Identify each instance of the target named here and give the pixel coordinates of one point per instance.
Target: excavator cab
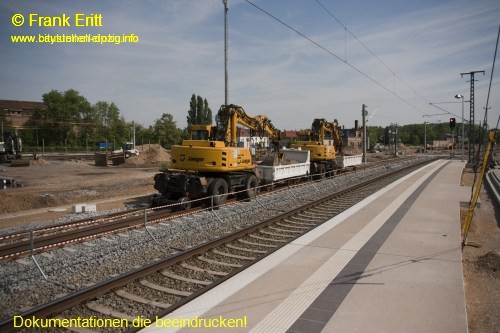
(313, 140)
(323, 156)
(201, 132)
(304, 136)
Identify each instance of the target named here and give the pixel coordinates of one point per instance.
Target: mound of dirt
(151, 155)
(39, 161)
(489, 263)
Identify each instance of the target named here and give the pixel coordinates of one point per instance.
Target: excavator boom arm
(320, 126)
(229, 116)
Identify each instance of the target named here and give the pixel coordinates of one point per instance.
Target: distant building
(244, 139)
(19, 113)
(352, 138)
(451, 140)
(288, 137)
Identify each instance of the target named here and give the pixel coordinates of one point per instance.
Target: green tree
(165, 131)
(113, 127)
(63, 115)
(70, 119)
(143, 135)
(199, 112)
(375, 135)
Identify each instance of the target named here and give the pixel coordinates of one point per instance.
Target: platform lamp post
(364, 113)
(425, 131)
(425, 137)
(463, 131)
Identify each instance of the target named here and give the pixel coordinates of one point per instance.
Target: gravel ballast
(80, 265)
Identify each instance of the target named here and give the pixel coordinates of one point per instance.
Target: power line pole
(363, 115)
(396, 140)
(485, 124)
(225, 51)
(425, 137)
(471, 115)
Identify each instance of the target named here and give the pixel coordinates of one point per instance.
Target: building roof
(288, 134)
(242, 132)
(12, 105)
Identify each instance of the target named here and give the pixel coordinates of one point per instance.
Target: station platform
(391, 263)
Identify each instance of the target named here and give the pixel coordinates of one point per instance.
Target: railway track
(166, 284)
(20, 244)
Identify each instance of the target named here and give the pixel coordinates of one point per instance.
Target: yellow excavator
(323, 156)
(210, 163)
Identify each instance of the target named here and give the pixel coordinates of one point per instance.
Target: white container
(77, 208)
(89, 208)
(294, 163)
(346, 161)
(82, 208)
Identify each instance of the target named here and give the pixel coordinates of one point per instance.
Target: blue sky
(416, 52)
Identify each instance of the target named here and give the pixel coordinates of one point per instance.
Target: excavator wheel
(218, 189)
(321, 171)
(251, 184)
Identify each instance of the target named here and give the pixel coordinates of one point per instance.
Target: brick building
(352, 139)
(18, 113)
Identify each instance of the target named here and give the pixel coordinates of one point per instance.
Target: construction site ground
(47, 189)
(50, 188)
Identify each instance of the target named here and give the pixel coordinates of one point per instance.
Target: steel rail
(20, 244)
(66, 302)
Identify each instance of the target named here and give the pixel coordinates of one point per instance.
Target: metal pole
(363, 115)
(396, 140)
(425, 137)
(472, 139)
(452, 143)
(472, 206)
(33, 256)
(463, 131)
(225, 52)
(133, 142)
(146, 226)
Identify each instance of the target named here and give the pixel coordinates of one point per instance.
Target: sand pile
(150, 155)
(39, 161)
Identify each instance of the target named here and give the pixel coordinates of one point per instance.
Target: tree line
(70, 120)
(416, 134)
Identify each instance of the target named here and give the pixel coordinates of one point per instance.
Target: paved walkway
(391, 263)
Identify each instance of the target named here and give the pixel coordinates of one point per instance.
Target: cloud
(272, 70)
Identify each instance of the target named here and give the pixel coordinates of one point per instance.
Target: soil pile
(489, 263)
(151, 155)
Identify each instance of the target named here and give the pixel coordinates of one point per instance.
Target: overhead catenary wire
(491, 78)
(371, 52)
(352, 34)
(440, 108)
(485, 120)
(337, 57)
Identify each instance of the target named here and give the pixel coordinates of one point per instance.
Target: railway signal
(452, 123)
